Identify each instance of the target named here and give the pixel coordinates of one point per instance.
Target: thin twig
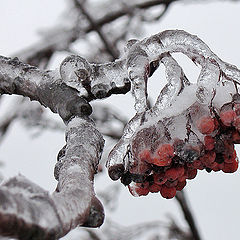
(111, 50)
(181, 198)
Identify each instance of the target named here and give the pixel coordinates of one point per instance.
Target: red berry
(165, 154)
(173, 173)
(154, 188)
(191, 173)
(236, 137)
(231, 157)
(218, 167)
(145, 155)
(208, 158)
(159, 178)
(206, 125)
(182, 178)
(168, 192)
(161, 162)
(139, 189)
(230, 167)
(197, 164)
(209, 143)
(171, 183)
(227, 117)
(181, 185)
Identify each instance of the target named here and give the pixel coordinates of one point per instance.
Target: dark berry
(230, 167)
(191, 173)
(153, 188)
(181, 185)
(209, 143)
(168, 192)
(159, 178)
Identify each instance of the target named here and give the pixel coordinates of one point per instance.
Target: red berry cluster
(172, 163)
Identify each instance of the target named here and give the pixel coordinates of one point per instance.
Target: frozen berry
(168, 192)
(171, 183)
(219, 158)
(126, 178)
(191, 173)
(173, 173)
(181, 185)
(153, 188)
(206, 125)
(139, 189)
(208, 158)
(159, 178)
(197, 164)
(145, 155)
(231, 157)
(217, 167)
(209, 143)
(236, 137)
(165, 154)
(227, 117)
(182, 178)
(230, 167)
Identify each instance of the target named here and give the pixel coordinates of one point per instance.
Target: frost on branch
(191, 127)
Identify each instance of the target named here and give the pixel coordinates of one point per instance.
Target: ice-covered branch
(46, 87)
(29, 212)
(176, 131)
(169, 130)
(142, 53)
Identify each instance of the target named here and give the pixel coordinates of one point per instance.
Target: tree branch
(181, 198)
(110, 49)
(29, 212)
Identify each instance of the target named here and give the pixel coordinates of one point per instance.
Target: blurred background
(43, 33)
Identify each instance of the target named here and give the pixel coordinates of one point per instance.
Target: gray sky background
(214, 197)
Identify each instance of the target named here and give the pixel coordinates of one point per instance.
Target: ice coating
(138, 70)
(191, 127)
(186, 119)
(207, 82)
(17, 77)
(176, 81)
(118, 159)
(156, 46)
(74, 71)
(109, 78)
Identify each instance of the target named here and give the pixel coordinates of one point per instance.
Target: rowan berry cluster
(167, 167)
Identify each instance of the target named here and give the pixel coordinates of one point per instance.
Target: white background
(214, 197)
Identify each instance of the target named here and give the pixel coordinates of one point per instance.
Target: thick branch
(29, 212)
(46, 87)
